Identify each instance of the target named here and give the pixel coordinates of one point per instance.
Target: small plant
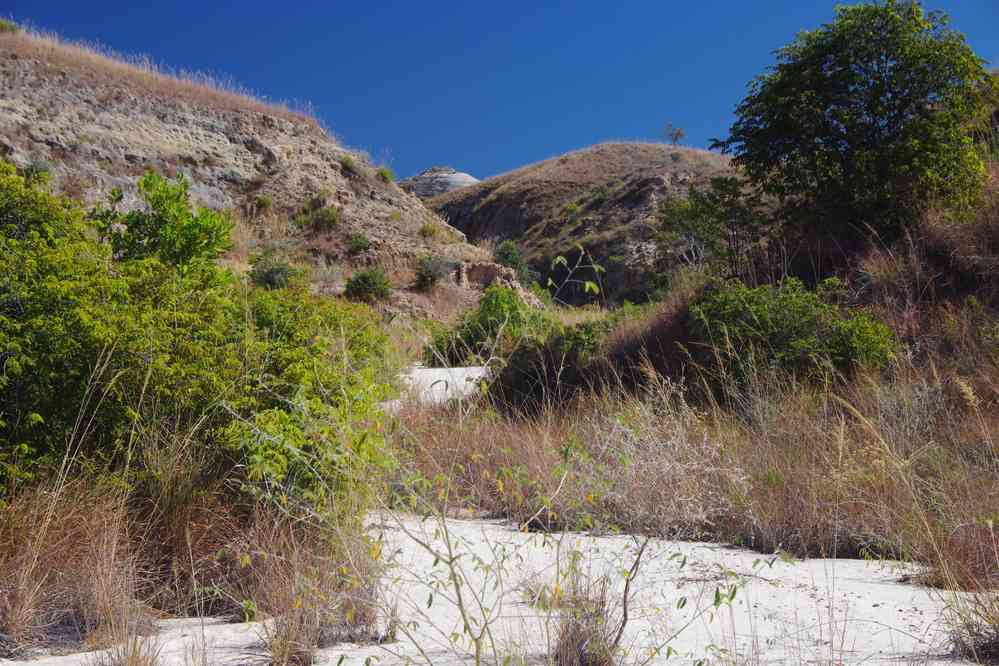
(319, 220)
(385, 175)
(508, 254)
(357, 243)
(263, 203)
(430, 270)
(8, 27)
(348, 166)
(271, 271)
(368, 286)
(429, 230)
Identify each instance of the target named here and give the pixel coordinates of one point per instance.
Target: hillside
(97, 122)
(603, 197)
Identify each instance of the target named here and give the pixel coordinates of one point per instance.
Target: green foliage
(318, 219)
(385, 175)
(357, 243)
(8, 27)
(508, 254)
(272, 271)
(97, 335)
(867, 121)
(785, 327)
(430, 270)
(719, 225)
(368, 286)
(349, 166)
(429, 230)
(167, 228)
(493, 330)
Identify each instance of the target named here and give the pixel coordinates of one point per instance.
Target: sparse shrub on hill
(508, 254)
(349, 166)
(813, 132)
(385, 175)
(272, 271)
(8, 26)
(430, 270)
(318, 219)
(368, 286)
(357, 243)
(785, 327)
(428, 230)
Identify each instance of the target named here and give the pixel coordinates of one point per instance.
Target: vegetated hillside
(603, 198)
(98, 122)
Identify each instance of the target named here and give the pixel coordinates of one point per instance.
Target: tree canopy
(867, 121)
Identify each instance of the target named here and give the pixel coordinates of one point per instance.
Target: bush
(143, 327)
(494, 329)
(385, 175)
(348, 166)
(167, 228)
(319, 220)
(431, 270)
(508, 254)
(785, 327)
(8, 27)
(429, 230)
(357, 243)
(368, 286)
(271, 271)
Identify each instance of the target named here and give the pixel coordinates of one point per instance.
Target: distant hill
(97, 122)
(436, 181)
(604, 198)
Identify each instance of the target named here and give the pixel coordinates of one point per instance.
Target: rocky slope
(437, 180)
(97, 123)
(604, 198)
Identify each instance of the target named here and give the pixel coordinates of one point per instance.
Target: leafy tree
(720, 224)
(168, 228)
(867, 120)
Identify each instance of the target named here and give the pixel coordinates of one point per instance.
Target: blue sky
(484, 87)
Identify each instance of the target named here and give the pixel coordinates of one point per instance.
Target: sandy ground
(782, 611)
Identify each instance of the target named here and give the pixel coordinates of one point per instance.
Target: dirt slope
(603, 197)
(97, 122)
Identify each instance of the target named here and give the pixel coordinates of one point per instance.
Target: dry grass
(68, 569)
(140, 73)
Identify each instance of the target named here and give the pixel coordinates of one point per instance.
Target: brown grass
(140, 73)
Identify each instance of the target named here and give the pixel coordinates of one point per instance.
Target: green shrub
(271, 271)
(368, 286)
(429, 230)
(493, 330)
(8, 26)
(349, 166)
(508, 254)
(318, 220)
(357, 243)
(431, 270)
(166, 228)
(385, 175)
(785, 327)
(141, 327)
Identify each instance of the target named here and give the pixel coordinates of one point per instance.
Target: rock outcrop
(436, 181)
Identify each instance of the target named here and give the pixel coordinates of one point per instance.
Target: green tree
(867, 120)
(720, 224)
(508, 254)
